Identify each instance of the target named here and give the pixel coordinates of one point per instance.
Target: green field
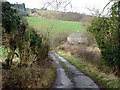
(56, 26)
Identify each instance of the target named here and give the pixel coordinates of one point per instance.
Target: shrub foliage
(20, 39)
(107, 33)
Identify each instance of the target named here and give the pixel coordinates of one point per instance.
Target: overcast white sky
(78, 5)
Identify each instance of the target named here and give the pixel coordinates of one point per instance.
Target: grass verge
(67, 70)
(65, 67)
(108, 80)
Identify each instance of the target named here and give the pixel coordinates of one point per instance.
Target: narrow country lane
(62, 81)
(75, 79)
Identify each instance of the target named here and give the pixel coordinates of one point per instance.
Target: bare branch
(93, 11)
(105, 7)
(58, 4)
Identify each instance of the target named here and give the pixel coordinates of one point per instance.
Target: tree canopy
(10, 19)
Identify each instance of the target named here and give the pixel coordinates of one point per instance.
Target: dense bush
(38, 44)
(21, 40)
(107, 34)
(26, 52)
(11, 25)
(10, 19)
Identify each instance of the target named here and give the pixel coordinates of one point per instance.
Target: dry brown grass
(37, 76)
(90, 53)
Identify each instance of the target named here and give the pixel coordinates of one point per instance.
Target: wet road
(75, 79)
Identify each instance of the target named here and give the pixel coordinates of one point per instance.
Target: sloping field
(56, 26)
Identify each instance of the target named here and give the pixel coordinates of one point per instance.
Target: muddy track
(70, 77)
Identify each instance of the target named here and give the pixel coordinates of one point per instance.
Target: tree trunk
(11, 54)
(9, 60)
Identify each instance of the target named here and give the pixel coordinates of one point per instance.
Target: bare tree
(57, 4)
(96, 12)
(93, 11)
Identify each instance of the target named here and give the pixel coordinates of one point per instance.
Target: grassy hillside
(56, 26)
